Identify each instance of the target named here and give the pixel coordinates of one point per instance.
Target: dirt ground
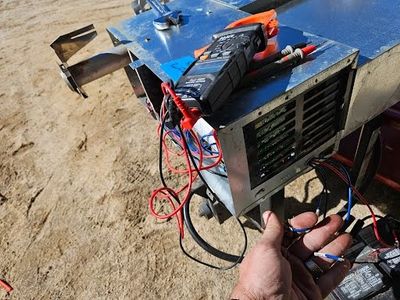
(75, 176)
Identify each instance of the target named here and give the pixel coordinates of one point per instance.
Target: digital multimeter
(210, 80)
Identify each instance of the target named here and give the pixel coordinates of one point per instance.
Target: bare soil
(75, 176)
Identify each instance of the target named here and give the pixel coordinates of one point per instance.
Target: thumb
(273, 232)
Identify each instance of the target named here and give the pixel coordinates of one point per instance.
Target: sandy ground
(75, 175)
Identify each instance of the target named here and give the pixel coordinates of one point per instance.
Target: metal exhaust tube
(92, 68)
(100, 65)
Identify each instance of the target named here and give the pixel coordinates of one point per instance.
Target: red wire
(179, 215)
(183, 171)
(219, 158)
(6, 286)
(169, 150)
(361, 197)
(167, 193)
(173, 193)
(174, 170)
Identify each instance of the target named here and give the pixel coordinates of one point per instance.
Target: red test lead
(276, 56)
(8, 288)
(275, 67)
(190, 115)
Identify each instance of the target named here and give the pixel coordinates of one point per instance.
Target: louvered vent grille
(321, 113)
(277, 139)
(271, 141)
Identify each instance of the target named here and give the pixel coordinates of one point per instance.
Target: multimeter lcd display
(209, 67)
(210, 80)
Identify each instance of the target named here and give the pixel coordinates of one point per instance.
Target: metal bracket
(70, 81)
(68, 44)
(65, 46)
(89, 69)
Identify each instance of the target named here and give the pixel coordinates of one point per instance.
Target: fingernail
(266, 216)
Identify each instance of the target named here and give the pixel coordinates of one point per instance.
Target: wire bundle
(190, 145)
(320, 170)
(340, 171)
(196, 151)
(335, 170)
(199, 154)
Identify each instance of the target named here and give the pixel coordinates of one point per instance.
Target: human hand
(271, 271)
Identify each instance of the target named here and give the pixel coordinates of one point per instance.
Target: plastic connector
(190, 119)
(189, 115)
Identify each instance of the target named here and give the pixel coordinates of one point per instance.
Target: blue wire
(174, 135)
(349, 193)
(207, 135)
(349, 203)
(331, 256)
(190, 143)
(299, 230)
(174, 131)
(349, 190)
(189, 139)
(206, 146)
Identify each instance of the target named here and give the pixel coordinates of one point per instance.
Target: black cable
(218, 174)
(205, 263)
(194, 258)
(211, 171)
(205, 245)
(342, 169)
(322, 176)
(160, 153)
(199, 240)
(195, 165)
(160, 160)
(369, 217)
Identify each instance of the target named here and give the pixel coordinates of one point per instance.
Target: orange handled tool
(270, 24)
(267, 18)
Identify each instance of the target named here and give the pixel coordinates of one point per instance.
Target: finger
(273, 232)
(317, 238)
(304, 220)
(337, 247)
(333, 277)
(301, 221)
(302, 278)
